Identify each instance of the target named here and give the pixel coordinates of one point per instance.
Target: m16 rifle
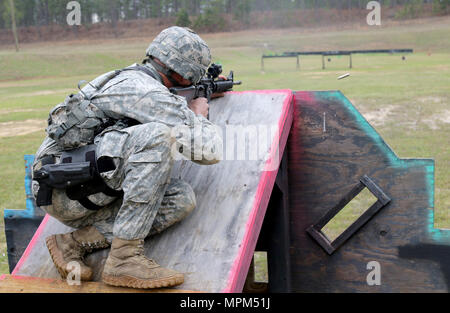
(209, 85)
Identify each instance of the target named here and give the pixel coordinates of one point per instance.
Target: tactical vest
(76, 121)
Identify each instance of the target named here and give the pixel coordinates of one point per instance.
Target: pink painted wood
(215, 244)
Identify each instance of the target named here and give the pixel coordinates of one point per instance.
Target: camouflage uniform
(143, 156)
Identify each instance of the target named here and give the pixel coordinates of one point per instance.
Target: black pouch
(79, 174)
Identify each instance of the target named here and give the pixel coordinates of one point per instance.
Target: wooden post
(13, 24)
(351, 63)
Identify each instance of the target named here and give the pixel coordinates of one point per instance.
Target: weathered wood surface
(331, 146)
(214, 245)
(23, 284)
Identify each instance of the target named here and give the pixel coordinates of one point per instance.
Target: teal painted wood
(331, 147)
(31, 209)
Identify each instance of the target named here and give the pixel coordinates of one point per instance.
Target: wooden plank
(23, 284)
(274, 235)
(325, 163)
(214, 245)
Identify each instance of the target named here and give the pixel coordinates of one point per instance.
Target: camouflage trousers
(152, 201)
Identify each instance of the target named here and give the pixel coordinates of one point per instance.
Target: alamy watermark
(374, 276)
(234, 143)
(73, 273)
(74, 16)
(374, 16)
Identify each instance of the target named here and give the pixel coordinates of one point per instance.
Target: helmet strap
(162, 69)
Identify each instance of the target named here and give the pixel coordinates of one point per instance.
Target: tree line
(47, 12)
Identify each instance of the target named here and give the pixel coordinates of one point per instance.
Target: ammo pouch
(78, 173)
(75, 122)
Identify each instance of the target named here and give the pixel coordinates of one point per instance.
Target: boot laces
(91, 246)
(140, 251)
(80, 249)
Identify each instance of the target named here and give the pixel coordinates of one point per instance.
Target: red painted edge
(32, 278)
(240, 266)
(31, 245)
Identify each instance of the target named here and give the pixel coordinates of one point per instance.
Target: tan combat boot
(65, 248)
(127, 266)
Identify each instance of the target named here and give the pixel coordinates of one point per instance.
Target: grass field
(408, 102)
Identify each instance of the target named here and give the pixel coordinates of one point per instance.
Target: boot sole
(133, 282)
(58, 259)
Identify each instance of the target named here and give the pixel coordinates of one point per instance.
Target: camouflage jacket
(138, 96)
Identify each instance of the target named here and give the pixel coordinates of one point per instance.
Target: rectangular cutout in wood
(349, 215)
(261, 271)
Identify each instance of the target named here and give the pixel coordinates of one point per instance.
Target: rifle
(208, 86)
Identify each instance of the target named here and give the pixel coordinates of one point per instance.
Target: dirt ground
(19, 128)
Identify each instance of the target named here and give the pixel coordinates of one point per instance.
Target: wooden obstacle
(245, 206)
(330, 148)
(214, 245)
(20, 225)
(23, 284)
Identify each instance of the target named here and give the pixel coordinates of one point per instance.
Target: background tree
(183, 18)
(241, 11)
(46, 12)
(13, 23)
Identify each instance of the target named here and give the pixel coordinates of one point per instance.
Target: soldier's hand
(200, 106)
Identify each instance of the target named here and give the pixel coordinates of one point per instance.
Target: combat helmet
(182, 51)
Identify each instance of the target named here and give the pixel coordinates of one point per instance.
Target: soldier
(136, 115)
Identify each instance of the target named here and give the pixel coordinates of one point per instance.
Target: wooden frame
(331, 246)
